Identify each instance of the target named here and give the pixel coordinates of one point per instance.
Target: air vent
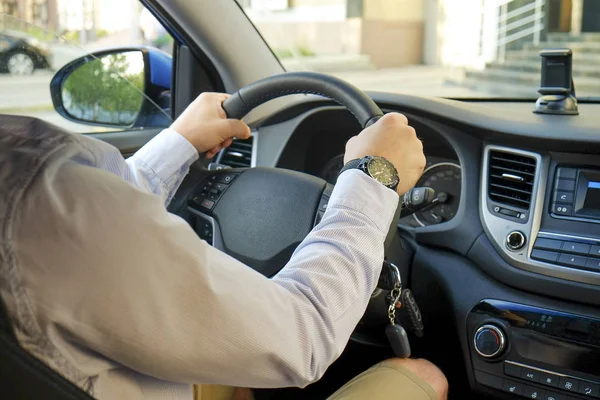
(511, 178)
(239, 154)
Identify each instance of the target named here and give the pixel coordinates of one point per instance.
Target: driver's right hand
(392, 138)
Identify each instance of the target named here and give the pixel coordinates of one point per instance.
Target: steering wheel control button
(530, 374)
(544, 255)
(548, 244)
(565, 185)
(572, 261)
(226, 177)
(515, 240)
(489, 341)
(567, 173)
(570, 384)
(549, 379)
(204, 229)
(208, 204)
(531, 392)
(512, 387)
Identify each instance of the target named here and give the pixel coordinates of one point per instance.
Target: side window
(105, 91)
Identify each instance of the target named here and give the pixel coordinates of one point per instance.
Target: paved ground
(31, 95)
(419, 80)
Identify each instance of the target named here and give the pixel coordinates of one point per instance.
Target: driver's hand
(205, 125)
(392, 138)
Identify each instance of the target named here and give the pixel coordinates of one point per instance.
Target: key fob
(389, 276)
(409, 305)
(398, 340)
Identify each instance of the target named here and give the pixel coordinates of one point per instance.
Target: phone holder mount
(557, 88)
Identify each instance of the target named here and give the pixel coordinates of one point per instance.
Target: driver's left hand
(206, 126)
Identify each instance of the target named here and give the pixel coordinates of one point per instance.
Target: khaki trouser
(385, 381)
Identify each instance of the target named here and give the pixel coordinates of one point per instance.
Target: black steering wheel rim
(353, 99)
(262, 214)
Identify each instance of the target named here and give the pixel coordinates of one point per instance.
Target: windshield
(447, 48)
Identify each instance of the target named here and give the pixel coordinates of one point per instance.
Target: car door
(37, 42)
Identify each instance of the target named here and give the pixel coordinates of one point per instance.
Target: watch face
(383, 171)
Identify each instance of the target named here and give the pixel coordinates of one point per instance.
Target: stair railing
(523, 23)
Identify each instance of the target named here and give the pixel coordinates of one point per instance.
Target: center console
(542, 214)
(533, 352)
(542, 211)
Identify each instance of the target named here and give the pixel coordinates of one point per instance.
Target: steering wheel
(262, 214)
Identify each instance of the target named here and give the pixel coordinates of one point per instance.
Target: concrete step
(574, 46)
(567, 37)
(580, 70)
(525, 82)
(533, 55)
(329, 63)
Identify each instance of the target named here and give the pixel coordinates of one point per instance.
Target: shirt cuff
(167, 155)
(359, 192)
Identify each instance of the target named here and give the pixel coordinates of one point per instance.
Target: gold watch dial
(383, 171)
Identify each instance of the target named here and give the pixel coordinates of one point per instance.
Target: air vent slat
(510, 188)
(512, 170)
(511, 178)
(526, 163)
(239, 154)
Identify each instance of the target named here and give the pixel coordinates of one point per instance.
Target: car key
(411, 308)
(390, 275)
(394, 332)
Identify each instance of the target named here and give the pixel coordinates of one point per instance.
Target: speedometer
(445, 179)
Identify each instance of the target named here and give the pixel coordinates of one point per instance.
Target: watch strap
(352, 164)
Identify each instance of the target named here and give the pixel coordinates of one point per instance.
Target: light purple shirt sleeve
(135, 285)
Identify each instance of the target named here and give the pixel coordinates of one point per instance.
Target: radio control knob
(489, 341)
(515, 240)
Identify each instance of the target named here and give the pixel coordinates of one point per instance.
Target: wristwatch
(377, 168)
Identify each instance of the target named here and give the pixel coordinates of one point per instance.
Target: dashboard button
(530, 374)
(589, 389)
(549, 379)
(531, 392)
(563, 197)
(571, 260)
(595, 251)
(593, 263)
(512, 387)
(510, 213)
(562, 209)
(564, 185)
(544, 255)
(570, 384)
(576, 248)
(488, 379)
(547, 244)
(554, 396)
(512, 370)
(567, 173)
(226, 178)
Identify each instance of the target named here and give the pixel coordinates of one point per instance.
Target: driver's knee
(408, 379)
(426, 371)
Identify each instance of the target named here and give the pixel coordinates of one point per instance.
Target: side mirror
(117, 88)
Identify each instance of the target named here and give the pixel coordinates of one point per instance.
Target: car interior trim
(497, 228)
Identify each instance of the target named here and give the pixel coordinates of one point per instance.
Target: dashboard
(507, 270)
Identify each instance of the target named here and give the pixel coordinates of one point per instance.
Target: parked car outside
(22, 54)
